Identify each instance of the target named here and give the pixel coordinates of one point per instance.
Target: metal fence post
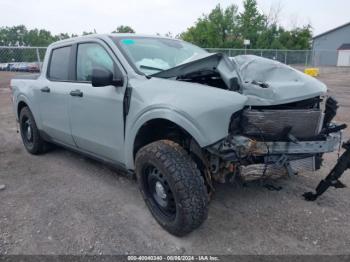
(285, 56)
(38, 57)
(306, 58)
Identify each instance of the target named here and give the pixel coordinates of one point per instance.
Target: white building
(344, 55)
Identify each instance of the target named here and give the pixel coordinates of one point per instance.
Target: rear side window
(59, 64)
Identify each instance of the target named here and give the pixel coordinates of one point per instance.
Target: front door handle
(76, 93)
(45, 89)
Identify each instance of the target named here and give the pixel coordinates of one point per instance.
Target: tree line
(221, 28)
(227, 28)
(21, 36)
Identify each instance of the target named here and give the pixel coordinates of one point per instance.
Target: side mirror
(104, 77)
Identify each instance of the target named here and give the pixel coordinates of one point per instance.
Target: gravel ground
(63, 203)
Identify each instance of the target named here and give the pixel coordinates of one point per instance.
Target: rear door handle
(45, 89)
(76, 93)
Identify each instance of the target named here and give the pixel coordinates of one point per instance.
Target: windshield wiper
(151, 68)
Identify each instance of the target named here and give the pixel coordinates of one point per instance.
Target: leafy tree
(11, 36)
(169, 35)
(269, 38)
(297, 38)
(62, 36)
(251, 22)
(87, 33)
(226, 28)
(218, 29)
(124, 29)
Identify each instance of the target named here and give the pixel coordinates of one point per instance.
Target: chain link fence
(21, 59)
(299, 58)
(29, 59)
(289, 57)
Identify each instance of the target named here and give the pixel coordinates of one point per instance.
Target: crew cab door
(53, 96)
(96, 113)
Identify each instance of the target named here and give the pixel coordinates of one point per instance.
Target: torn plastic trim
(237, 147)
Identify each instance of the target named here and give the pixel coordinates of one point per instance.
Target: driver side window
(90, 56)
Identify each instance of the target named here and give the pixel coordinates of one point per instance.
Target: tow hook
(332, 179)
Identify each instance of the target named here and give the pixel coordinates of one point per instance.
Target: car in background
(15, 67)
(23, 67)
(34, 67)
(9, 66)
(3, 66)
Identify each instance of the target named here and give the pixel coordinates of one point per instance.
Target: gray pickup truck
(176, 116)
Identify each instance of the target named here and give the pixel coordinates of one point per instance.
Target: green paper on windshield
(128, 41)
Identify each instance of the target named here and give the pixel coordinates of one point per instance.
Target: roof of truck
(74, 39)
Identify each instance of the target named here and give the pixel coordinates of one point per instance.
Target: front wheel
(172, 187)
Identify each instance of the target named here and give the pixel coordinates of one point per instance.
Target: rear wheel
(30, 133)
(172, 186)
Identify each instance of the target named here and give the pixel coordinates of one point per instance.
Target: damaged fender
(204, 112)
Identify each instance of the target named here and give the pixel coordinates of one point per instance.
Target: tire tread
(187, 180)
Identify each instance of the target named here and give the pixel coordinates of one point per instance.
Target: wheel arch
(158, 117)
(21, 104)
(158, 129)
(23, 101)
(163, 129)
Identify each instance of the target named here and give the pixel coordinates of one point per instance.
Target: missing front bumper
(255, 159)
(276, 140)
(238, 147)
(272, 170)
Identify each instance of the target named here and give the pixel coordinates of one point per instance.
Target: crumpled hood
(263, 81)
(275, 83)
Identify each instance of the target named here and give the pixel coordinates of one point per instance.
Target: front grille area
(272, 124)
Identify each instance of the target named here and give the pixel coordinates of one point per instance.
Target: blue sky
(157, 16)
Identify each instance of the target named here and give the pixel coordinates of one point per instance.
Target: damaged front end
(272, 141)
(286, 124)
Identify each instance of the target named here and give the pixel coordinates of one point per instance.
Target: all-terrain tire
(33, 143)
(181, 179)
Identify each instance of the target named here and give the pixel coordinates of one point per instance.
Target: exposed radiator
(304, 123)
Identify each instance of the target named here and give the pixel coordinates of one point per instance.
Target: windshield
(152, 55)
